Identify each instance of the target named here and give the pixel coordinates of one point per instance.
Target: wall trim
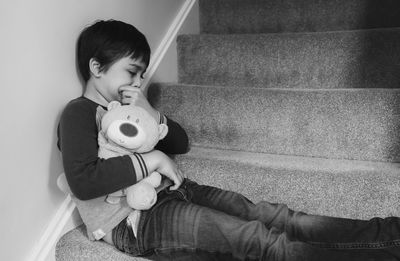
(167, 40)
(65, 212)
(54, 230)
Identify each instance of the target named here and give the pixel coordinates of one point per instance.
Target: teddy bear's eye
(128, 129)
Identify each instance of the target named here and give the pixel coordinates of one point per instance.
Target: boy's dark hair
(107, 42)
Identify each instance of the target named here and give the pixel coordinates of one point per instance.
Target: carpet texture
(346, 59)
(75, 246)
(271, 16)
(353, 189)
(360, 124)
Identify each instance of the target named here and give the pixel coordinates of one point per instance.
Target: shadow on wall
(55, 166)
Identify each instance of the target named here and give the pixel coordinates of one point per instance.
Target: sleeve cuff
(140, 166)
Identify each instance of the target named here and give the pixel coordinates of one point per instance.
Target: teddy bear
(124, 130)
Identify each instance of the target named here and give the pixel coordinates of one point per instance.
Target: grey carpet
(360, 124)
(271, 16)
(326, 60)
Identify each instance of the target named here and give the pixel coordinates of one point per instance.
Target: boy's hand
(160, 162)
(169, 169)
(135, 96)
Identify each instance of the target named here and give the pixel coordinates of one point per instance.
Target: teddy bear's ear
(162, 131)
(112, 105)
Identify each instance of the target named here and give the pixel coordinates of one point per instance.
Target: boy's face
(124, 72)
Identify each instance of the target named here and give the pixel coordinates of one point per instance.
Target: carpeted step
(75, 246)
(354, 189)
(351, 59)
(358, 124)
(262, 16)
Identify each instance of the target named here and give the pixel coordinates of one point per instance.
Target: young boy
(188, 220)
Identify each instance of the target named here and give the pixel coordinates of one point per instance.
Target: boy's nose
(137, 82)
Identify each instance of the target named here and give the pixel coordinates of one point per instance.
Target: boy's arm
(160, 162)
(88, 175)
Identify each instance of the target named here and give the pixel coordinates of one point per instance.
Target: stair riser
(357, 59)
(355, 195)
(342, 124)
(260, 16)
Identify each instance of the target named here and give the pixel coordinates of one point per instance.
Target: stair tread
(75, 245)
(353, 189)
(322, 165)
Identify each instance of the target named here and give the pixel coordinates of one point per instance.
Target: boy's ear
(94, 67)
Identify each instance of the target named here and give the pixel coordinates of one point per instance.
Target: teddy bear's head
(131, 127)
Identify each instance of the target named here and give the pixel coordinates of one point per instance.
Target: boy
(112, 71)
(188, 219)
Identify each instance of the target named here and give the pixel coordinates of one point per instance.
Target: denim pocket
(180, 193)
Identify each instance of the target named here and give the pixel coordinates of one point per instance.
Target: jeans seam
(353, 245)
(188, 249)
(140, 236)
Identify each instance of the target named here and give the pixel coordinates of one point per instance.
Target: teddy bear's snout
(128, 129)
(127, 134)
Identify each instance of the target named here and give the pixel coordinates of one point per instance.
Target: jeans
(200, 222)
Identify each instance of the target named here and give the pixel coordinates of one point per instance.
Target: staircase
(289, 101)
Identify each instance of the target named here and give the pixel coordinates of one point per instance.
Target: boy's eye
(132, 73)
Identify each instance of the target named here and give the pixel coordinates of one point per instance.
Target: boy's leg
(319, 230)
(178, 226)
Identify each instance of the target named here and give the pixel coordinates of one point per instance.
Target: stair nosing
(205, 86)
(293, 162)
(298, 33)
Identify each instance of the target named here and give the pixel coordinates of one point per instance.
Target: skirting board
(55, 229)
(63, 220)
(169, 37)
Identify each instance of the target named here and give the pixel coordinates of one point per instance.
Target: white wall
(167, 69)
(38, 77)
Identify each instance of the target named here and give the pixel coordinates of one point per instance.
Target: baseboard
(169, 37)
(64, 218)
(54, 231)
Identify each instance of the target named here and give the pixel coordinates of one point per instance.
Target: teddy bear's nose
(128, 129)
